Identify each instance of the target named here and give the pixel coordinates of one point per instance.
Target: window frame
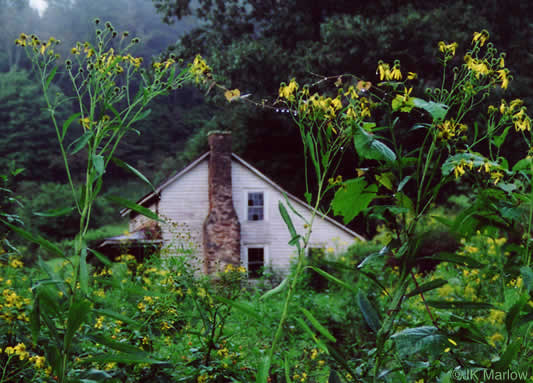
(265, 204)
(245, 261)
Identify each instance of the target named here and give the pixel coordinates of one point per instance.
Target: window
(256, 206)
(256, 261)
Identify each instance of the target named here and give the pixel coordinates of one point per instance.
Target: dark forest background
(251, 45)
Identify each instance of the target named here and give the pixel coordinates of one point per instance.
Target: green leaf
(241, 306)
(459, 305)
(133, 206)
(316, 324)
(310, 332)
(99, 164)
(399, 103)
(77, 315)
(34, 238)
(67, 123)
(523, 164)
(527, 276)
(427, 287)
(142, 116)
(438, 111)
(499, 140)
(508, 356)
(385, 179)
(369, 147)
(54, 212)
(124, 358)
(287, 369)
(84, 273)
(131, 169)
(414, 340)
(80, 142)
(50, 78)
(511, 318)
(35, 319)
(308, 197)
(101, 257)
(262, 371)
(457, 259)
(352, 198)
(334, 377)
(119, 346)
(115, 315)
(288, 221)
(334, 279)
(368, 311)
(276, 290)
(92, 375)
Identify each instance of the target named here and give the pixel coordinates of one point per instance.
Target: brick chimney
(222, 230)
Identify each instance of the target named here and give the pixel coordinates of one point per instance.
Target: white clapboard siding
(184, 204)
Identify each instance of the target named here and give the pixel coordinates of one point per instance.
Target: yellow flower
(479, 67)
(411, 76)
(502, 76)
(75, 51)
(38, 361)
(287, 91)
(448, 49)
(199, 68)
(481, 36)
(496, 176)
(496, 316)
(396, 74)
(458, 170)
(232, 94)
(522, 121)
(86, 122)
(383, 71)
(15, 263)
(496, 337)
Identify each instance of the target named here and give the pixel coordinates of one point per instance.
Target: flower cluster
(450, 129)
(39, 46)
(386, 73)
(199, 69)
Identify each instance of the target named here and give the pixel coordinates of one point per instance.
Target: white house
(222, 210)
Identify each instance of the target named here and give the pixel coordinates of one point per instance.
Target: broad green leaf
(368, 311)
(92, 375)
(131, 169)
(385, 179)
(508, 356)
(276, 290)
(527, 276)
(413, 340)
(133, 206)
(67, 123)
(241, 306)
(80, 142)
(262, 370)
(404, 202)
(523, 164)
(427, 287)
(459, 305)
(399, 103)
(77, 315)
(513, 314)
(50, 78)
(54, 212)
(99, 164)
(438, 111)
(316, 324)
(499, 140)
(35, 238)
(334, 279)
(352, 198)
(369, 147)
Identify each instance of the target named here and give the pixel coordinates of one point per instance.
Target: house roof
(153, 195)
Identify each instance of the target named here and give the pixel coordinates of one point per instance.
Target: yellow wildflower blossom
(287, 91)
(448, 49)
(502, 76)
(496, 337)
(481, 37)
